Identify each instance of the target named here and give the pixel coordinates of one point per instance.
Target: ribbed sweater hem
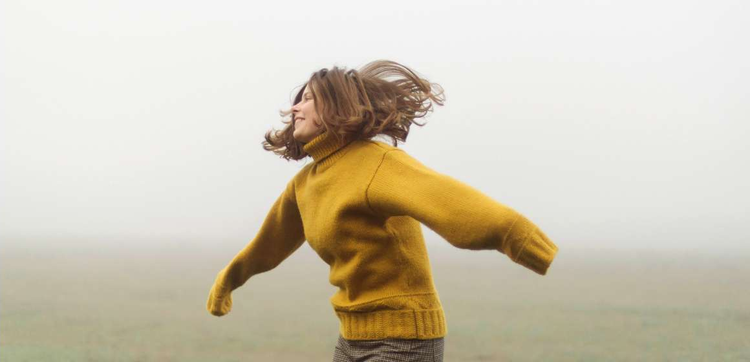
(404, 324)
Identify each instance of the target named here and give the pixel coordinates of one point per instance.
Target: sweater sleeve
(279, 236)
(461, 214)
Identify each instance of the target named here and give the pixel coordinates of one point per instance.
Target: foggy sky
(608, 124)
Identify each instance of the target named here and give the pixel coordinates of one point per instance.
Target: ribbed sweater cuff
(537, 254)
(529, 246)
(405, 324)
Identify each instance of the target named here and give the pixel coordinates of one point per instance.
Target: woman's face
(306, 123)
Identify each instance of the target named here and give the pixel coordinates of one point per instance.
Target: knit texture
(360, 206)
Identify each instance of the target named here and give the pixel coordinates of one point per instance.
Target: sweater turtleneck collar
(323, 148)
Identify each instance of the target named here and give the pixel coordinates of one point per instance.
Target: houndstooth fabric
(391, 349)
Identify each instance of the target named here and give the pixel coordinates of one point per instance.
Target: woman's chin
(300, 138)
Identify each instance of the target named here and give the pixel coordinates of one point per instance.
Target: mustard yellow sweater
(360, 206)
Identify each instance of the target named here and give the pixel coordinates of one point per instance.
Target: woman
(359, 205)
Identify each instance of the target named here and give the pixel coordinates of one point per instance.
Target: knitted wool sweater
(359, 206)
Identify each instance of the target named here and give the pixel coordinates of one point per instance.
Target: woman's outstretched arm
(279, 236)
(463, 215)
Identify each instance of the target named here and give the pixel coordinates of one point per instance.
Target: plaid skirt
(390, 349)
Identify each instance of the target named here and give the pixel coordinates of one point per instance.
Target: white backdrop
(609, 124)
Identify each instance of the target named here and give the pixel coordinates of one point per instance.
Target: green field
(110, 301)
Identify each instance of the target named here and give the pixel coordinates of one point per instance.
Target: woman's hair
(360, 104)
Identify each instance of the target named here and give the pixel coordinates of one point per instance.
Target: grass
(120, 303)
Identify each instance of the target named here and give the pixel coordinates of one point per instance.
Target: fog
(615, 125)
